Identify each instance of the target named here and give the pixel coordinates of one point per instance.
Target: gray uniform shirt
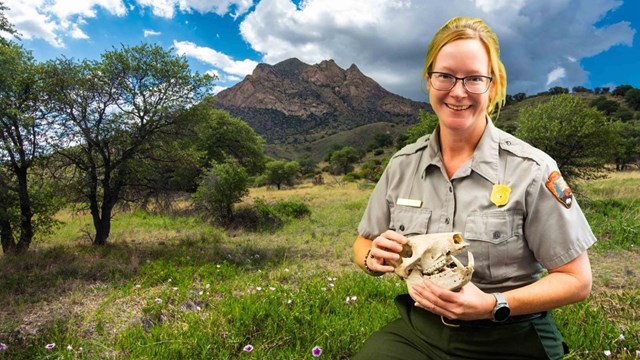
(511, 243)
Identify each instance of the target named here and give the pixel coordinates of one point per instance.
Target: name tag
(409, 202)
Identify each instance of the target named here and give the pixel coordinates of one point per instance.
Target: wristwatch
(502, 311)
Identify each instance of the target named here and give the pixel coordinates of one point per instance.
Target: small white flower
(69, 347)
(258, 288)
(137, 286)
(607, 353)
(331, 285)
(218, 266)
(175, 289)
(323, 289)
(158, 301)
(621, 337)
(272, 288)
(200, 293)
(289, 302)
(169, 280)
(286, 270)
(207, 286)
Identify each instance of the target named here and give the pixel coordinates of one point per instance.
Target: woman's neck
(457, 147)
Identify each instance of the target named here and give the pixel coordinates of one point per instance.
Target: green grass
(282, 290)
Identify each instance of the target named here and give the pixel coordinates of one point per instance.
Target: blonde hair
(472, 28)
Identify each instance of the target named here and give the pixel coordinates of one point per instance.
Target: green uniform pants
(419, 334)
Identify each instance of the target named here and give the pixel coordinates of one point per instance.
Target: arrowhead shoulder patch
(559, 189)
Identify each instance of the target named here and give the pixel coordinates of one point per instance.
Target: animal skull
(431, 256)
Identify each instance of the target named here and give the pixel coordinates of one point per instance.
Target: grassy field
(174, 287)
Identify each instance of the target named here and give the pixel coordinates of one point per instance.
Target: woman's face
(458, 109)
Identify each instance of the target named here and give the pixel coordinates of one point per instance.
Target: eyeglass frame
(464, 81)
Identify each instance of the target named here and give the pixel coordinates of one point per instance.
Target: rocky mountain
(293, 102)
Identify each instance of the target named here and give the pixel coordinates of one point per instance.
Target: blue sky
(545, 43)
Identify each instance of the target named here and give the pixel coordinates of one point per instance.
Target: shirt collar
(484, 160)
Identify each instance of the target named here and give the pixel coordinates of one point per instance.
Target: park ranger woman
(506, 198)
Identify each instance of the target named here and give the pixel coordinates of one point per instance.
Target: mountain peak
(292, 97)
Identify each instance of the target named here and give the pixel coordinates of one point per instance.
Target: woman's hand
(470, 303)
(385, 248)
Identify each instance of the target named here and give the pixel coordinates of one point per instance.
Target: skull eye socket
(457, 238)
(406, 252)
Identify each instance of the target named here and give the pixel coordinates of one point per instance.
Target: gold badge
(500, 194)
(559, 189)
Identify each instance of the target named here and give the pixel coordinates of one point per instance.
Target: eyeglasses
(475, 84)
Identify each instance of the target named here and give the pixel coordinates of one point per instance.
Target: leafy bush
(291, 209)
(222, 186)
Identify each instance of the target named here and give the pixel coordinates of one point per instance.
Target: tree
(182, 151)
(107, 114)
(621, 90)
(308, 166)
(280, 172)
(627, 145)
(632, 97)
(5, 25)
(580, 89)
(342, 160)
(428, 123)
(578, 137)
(22, 134)
(557, 90)
(223, 185)
(605, 105)
(220, 136)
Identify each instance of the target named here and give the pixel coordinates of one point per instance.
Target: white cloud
(87, 8)
(388, 39)
(148, 33)
(167, 8)
(52, 20)
(216, 89)
(555, 75)
(77, 33)
(215, 58)
(30, 23)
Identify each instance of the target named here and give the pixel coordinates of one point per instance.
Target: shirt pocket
(497, 243)
(410, 221)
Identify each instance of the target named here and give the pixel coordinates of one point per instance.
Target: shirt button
(496, 235)
(401, 228)
(508, 142)
(446, 221)
(450, 189)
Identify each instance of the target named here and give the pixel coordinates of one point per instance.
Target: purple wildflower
(316, 351)
(248, 348)
(50, 346)
(3, 347)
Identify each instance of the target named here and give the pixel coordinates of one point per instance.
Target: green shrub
(291, 209)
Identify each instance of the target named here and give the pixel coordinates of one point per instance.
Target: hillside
(359, 138)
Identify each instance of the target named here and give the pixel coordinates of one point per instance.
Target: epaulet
(522, 149)
(413, 148)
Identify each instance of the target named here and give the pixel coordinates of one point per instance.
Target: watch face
(502, 313)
